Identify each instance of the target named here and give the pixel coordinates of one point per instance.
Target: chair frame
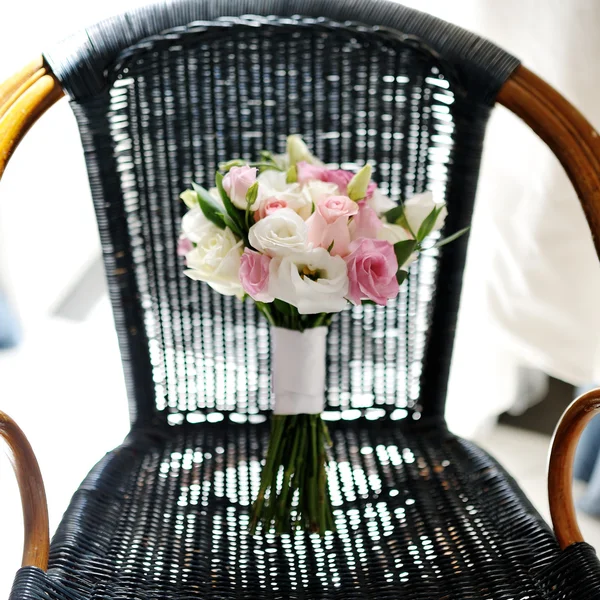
(26, 96)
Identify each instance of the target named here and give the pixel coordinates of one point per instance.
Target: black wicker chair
(161, 95)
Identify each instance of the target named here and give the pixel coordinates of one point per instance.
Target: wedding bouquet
(303, 241)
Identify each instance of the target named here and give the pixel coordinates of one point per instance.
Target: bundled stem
(293, 489)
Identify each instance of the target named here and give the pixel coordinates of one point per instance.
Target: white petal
(279, 234)
(380, 203)
(393, 233)
(326, 294)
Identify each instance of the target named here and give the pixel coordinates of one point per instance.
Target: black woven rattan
(420, 513)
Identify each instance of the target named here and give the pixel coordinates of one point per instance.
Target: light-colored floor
(64, 386)
(524, 455)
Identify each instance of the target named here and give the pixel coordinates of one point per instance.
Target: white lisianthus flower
(214, 192)
(393, 233)
(272, 184)
(236, 184)
(312, 281)
(216, 259)
(380, 203)
(279, 234)
(282, 161)
(419, 207)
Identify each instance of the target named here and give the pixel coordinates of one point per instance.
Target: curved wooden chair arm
(560, 468)
(33, 495)
(577, 145)
(13, 87)
(24, 98)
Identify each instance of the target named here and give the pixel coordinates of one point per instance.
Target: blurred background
(525, 340)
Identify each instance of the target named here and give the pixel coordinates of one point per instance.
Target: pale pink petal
(366, 224)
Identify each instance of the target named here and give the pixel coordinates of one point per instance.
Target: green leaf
(209, 206)
(283, 307)
(266, 311)
(396, 217)
(451, 238)
(391, 216)
(232, 225)
(331, 246)
(428, 223)
(403, 250)
(401, 276)
(266, 156)
(236, 215)
(320, 320)
(262, 167)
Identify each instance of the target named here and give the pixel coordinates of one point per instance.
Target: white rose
(312, 281)
(315, 190)
(216, 259)
(193, 223)
(419, 207)
(272, 184)
(271, 181)
(279, 234)
(380, 203)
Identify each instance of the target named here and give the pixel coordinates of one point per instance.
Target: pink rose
(184, 246)
(268, 207)
(372, 268)
(366, 223)
(254, 275)
(237, 182)
(306, 172)
(339, 177)
(329, 223)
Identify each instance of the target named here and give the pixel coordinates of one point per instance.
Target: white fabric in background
(532, 285)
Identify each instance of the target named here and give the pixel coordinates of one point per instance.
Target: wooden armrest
(33, 495)
(16, 85)
(24, 98)
(560, 469)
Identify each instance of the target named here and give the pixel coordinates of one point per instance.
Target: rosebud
(252, 194)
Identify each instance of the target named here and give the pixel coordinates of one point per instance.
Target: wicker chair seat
(420, 514)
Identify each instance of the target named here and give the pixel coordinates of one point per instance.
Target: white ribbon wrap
(298, 370)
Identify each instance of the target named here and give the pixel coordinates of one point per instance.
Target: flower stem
(293, 491)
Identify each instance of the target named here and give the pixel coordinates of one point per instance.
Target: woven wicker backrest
(157, 112)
